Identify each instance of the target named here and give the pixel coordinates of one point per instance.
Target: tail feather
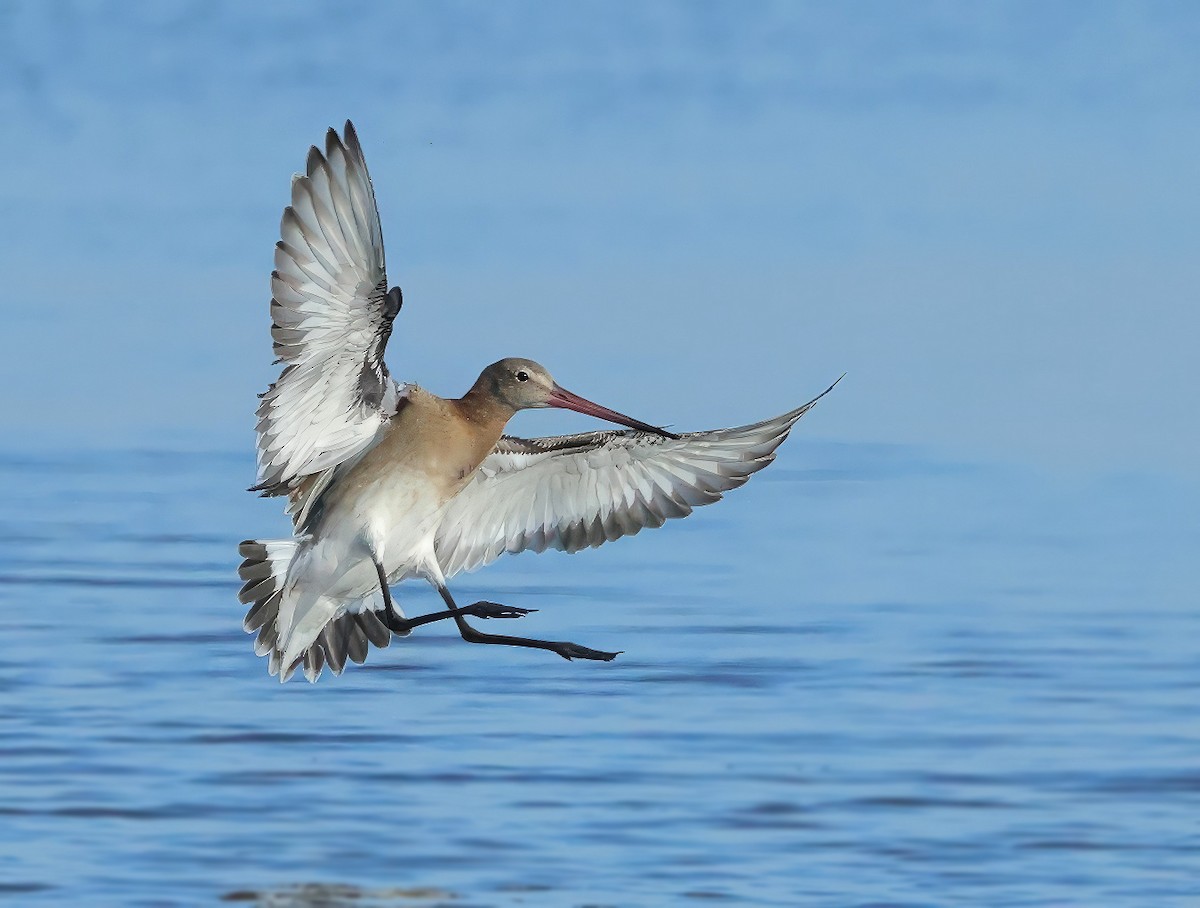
(376, 631)
(264, 570)
(350, 635)
(259, 613)
(314, 660)
(333, 641)
(268, 637)
(356, 643)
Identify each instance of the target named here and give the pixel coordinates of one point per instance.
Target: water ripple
(871, 712)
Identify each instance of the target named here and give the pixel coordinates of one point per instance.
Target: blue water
(872, 676)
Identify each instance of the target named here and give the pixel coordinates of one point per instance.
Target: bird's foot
(485, 609)
(567, 650)
(571, 651)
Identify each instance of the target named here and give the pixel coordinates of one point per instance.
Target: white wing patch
(578, 491)
(331, 317)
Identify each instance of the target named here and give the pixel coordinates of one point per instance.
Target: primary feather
(331, 314)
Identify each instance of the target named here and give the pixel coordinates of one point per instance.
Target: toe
(575, 651)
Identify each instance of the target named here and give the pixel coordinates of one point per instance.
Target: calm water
(869, 677)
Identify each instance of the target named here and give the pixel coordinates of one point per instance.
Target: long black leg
(476, 610)
(399, 625)
(389, 610)
(564, 649)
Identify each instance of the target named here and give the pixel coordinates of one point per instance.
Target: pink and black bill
(561, 397)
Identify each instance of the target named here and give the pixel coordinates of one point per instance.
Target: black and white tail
(264, 571)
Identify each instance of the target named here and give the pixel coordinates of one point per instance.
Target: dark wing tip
(826, 391)
(315, 160)
(352, 143)
(795, 415)
(392, 303)
(333, 141)
(289, 216)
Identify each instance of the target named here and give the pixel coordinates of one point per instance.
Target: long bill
(561, 397)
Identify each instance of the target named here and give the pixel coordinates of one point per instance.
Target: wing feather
(331, 314)
(578, 491)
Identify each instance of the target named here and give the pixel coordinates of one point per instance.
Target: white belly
(395, 520)
(405, 544)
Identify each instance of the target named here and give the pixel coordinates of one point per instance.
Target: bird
(386, 481)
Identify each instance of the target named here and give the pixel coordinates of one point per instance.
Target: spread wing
(331, 315)
(578, 491)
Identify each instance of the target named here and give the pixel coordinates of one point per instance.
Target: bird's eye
(522, 375)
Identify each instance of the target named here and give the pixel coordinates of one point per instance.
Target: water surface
(869, 677)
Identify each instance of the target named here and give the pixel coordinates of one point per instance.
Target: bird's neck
(484, 413)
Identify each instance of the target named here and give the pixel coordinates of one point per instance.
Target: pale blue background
(985, 213)
(944, 652)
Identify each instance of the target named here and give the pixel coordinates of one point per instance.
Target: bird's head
(523, 384)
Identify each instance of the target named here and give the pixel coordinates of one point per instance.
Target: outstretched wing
(331, 315)
(578, 491)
